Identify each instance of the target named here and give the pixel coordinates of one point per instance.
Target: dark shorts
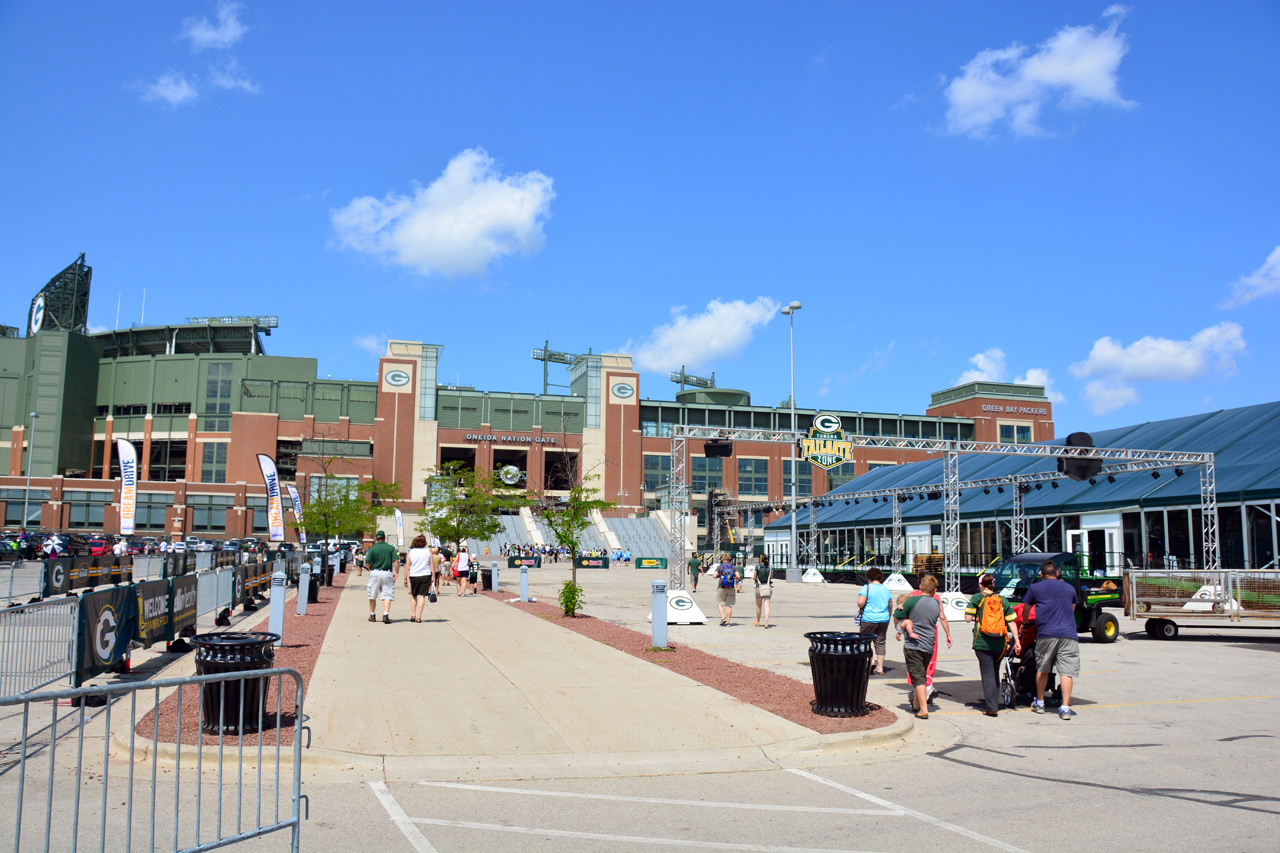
(419, 585)
(881, 630)
(917, 664)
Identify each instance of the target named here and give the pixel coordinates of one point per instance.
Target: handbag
(766, 590)
(431, 594)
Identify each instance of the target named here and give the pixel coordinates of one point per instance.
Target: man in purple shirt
(1057, 640)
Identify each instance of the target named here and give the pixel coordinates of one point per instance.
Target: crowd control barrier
(124, 799)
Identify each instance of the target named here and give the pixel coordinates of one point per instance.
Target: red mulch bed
(303, 636)
(778, 694)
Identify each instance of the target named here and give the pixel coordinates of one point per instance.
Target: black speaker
(1074, 467)
(717, 449)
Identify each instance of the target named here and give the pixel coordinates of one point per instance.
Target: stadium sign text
(826, 445)
(514, 439)
(1015, 410)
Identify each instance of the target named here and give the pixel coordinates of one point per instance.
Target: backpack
(991, 621)
(728, 577)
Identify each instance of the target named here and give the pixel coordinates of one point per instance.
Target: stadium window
(804, 478)
(213, 467)
(839, 475)
(657, 471)
(753, 476)
(707, 474)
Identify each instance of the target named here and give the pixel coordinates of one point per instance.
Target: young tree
(339, 506)
(464, 503)
(568, 518)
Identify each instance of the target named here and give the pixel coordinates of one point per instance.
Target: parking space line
(626, 839)
(400, 819)
(666, 802)
(941, 824)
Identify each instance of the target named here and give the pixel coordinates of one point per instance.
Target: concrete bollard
(524, 582)
(275, 617)
(304, 587)
(659, 617)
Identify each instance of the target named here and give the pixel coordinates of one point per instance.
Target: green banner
(182, 605)
(651, 563)
(57, 577)
(108, 620)
(591, 563)
(517, 562)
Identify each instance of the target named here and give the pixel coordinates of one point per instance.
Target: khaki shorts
(1058, 654)
(382, 584)
(726, 595)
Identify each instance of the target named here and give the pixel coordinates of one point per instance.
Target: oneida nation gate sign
(826, 445)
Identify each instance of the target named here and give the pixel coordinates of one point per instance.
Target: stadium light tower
(790, 313)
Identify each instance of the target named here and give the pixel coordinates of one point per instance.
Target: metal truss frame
(1115, 460)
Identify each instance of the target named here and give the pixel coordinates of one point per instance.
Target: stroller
(1018, 670)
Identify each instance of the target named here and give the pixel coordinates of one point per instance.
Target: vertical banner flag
(399, 530)
(128, 484)
(297, 511)
(275, 511)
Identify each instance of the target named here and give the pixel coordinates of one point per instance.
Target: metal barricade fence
(21, 579)
(37, 644)
(215, 589)
(158, 794)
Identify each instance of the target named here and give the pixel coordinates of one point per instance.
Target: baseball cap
(381, 537)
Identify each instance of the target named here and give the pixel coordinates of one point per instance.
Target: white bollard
(659, 618)
(304, 587)
(524, 582)
(275, 618)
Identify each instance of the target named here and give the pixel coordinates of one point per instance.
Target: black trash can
(840, 663)
(313, 588)
(220, 701)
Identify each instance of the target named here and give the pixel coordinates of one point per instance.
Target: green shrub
(570, 598)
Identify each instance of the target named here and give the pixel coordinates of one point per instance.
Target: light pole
(790, 312)
(31, 456)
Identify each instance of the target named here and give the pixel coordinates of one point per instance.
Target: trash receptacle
(840, 663)
(486, 580)
(220, 701)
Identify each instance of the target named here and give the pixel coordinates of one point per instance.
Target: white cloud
(1076, 66)
(1107, 395)
(722, 331)
(172, 87)
(465, 220)
(230, 75)
(1163, 360)
(1040, 376)
(375, 345)
(204, 35)
(97, 329)
(1211, 350)
(988, 367)
(876, 360)
(1264, 281)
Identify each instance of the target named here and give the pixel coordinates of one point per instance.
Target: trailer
(1240, 598)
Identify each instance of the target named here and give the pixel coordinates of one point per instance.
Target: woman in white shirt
(461, 569)
(419, 578)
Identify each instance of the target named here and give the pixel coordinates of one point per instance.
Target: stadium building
(200, 399)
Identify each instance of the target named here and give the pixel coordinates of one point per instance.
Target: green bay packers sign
(826, 445)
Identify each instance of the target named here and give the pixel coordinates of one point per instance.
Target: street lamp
(31, 456)
(790, 313)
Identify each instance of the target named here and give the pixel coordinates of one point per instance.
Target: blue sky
(1015, 191)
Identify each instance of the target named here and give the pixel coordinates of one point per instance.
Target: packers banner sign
(108, 621)
(826, 446)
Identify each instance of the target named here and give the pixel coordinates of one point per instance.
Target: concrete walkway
(481, 690)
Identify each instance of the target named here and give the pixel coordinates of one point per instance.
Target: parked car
(205, 545)
(99, 546)
(287, 547)
(231, 545)
(70, 544)
(178, 547)
(250, 543)
(135, 546)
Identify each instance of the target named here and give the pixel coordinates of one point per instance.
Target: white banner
(128, 485)
(399, 530)
(297, 512)
(275, 511)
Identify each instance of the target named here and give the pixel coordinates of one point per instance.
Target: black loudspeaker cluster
(717, 449)
(1075, 467)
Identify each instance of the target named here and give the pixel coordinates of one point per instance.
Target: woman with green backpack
(993, 617)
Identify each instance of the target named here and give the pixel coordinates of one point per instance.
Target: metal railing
(1234, 594)
(37, 644)
(90, 806)
(21, 580)
(215, 590)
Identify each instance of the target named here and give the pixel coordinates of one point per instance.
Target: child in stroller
(1018, 671)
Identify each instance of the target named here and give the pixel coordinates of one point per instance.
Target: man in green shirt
(383, 564)
(990, 637)
(695, 567)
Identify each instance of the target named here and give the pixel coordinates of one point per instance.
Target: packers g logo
(680, 602)
(104, 634)
(397, 378)
(59, 575)
(826, 423)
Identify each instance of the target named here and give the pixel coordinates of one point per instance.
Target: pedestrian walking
(436, 562)
(1057, 640)
(726, 589)
(418, 578)
(919, 618)
(473, 575)
(384, 570)
(461, 569)
(873, 605)
(764, 590)
(695, 568)
(993, 617)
